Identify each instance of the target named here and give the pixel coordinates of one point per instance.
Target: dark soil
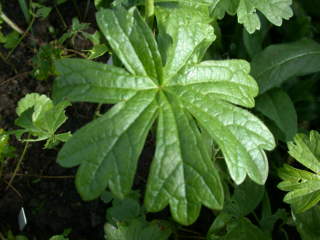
(42, 187)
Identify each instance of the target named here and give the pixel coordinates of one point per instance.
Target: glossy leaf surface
(167, 83)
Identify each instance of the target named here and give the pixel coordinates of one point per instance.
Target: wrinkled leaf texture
(165, 81)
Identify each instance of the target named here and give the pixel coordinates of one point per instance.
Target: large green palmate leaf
(303, 186)
(167, 83)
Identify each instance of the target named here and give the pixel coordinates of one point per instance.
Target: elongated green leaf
(202, 6)
(83, 80)
(132, 40)
(253, 42)
(181, 174)
(243, 229)
(226, 80)
(308, 223)
(108, 148)
(245, 199)
(240, 135)
(278, 63)
(277, 106)
(303, 187)
(184, 36)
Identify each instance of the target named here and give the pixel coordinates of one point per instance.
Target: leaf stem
(21, 38)
(149, 12)
(6, 61)
(19, 163)
(60, 17)
(10, 23)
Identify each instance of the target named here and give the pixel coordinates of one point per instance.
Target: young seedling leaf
(40, 118)
(303, 186)
(167, 83)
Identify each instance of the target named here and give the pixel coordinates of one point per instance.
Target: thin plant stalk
(25, 10)
(18, 164)
(11, 23)
(60, 17)
(149, 12)
(75, 4)
(22, 37)
(6, 61)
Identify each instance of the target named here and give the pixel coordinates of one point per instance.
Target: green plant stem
(1, 168)
(76, 52)
(10, 23)
(8, 63)
(2, 237)
(86, 10)
(19, 163)
(97, 111)
(25, 10)
(60, 17)
(149, 12)
(75, 4)
(21, 38)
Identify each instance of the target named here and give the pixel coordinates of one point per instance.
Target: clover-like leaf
(303, 186)
(40, 118)
(164, 81)
(246, 10)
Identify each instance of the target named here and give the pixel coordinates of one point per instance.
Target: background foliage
(200, 87)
